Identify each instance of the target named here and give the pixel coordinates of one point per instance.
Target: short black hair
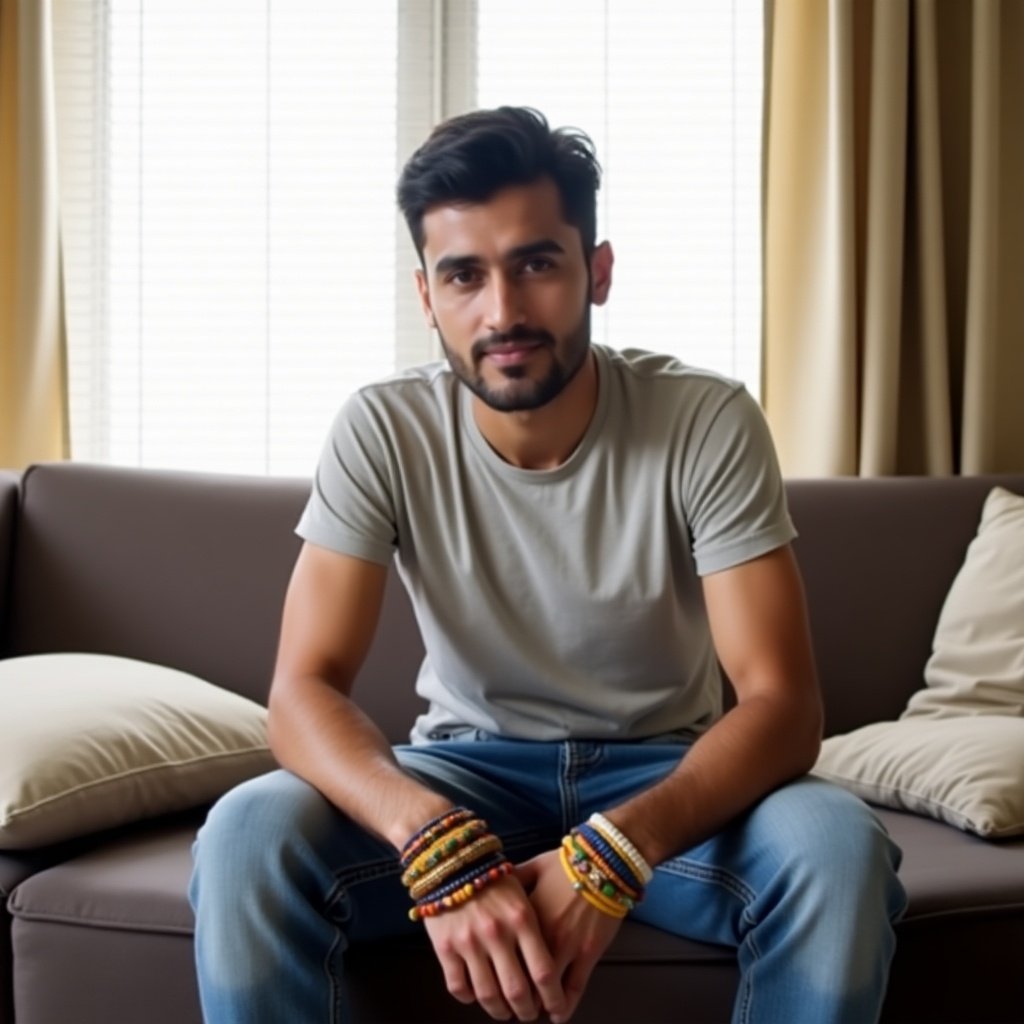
(471, 157)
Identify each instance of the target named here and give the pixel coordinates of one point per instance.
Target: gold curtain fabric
(894, 236)
(33, 394)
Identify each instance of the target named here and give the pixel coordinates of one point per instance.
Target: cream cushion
(957, 751)
(92, 741)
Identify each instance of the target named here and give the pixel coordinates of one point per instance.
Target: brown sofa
(189, 570)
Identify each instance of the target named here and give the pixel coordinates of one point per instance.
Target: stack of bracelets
(604, 867)
(449, 860)
(455, 855)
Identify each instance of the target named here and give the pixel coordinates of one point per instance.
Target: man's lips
(511, 352)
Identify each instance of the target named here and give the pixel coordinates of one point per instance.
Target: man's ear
(601, 261)
(424, 293)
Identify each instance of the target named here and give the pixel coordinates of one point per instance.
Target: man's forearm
(760, 744)
(322, 736)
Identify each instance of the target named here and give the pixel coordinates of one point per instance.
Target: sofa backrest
(8, 508)
(190, 570)
(182, 569)
(878, 557)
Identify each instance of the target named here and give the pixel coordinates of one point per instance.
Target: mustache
(496, 339)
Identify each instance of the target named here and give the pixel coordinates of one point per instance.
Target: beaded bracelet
(462, 895)
(480, 867)
(600, 902)
(486, 844)
(443, 848)
(598, 881)
(594, 846)
(616, 838)
(432, 830)
(583, 855)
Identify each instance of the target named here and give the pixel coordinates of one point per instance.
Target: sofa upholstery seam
(98, 922)
(991, 909)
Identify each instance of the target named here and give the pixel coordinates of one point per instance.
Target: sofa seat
(117, 916)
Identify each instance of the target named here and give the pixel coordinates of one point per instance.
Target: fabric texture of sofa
(189, 571)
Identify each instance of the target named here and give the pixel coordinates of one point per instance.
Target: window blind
(234, 263)
(671, 95)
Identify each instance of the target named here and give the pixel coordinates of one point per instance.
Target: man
(585, 534)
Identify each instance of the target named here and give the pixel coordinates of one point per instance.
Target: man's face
(508, 288)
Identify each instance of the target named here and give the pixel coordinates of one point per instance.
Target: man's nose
(504, 305)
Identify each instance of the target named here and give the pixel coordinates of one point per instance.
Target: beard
(521, 392)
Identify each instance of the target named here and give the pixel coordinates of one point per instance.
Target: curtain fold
(894, 236)
(33, 393)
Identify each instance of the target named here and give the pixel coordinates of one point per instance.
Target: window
(234, 264)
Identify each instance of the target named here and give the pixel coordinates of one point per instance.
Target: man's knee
(840, 850)
(249, 829)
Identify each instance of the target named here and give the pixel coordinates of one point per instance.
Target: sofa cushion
(968, 772)
(98, 912)
(957, 751)
(92, 741)
(977, 665)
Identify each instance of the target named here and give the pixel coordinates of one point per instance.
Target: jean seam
(336, 983)
(574, 760)
(714, 876)
(740, 890)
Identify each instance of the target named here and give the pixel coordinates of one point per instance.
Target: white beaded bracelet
(610, 832)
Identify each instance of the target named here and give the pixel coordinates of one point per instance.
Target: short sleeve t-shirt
(562, 603)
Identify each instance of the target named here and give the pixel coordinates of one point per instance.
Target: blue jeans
(803, 885)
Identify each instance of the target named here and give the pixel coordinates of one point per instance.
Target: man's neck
(543, 438)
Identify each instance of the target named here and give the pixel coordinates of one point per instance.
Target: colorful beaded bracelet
(432, 830)
(598, 881)
(600, 902)
(618, 840)
(462, 895)
(480, 867)
(589, 845)
(444, 847)
(488, 843)
(586, 861)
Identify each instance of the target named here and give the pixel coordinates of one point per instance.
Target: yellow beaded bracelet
(573, 841)
(488, 843)
(596, 900)
(446, 846)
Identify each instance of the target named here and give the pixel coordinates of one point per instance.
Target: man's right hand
(492, 952)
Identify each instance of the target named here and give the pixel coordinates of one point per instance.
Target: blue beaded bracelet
(623, 869)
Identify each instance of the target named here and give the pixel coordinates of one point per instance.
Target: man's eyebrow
(446, 264)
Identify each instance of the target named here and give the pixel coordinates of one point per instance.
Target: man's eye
(463, 277)
(537, 265)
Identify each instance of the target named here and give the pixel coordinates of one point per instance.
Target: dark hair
(471, 157)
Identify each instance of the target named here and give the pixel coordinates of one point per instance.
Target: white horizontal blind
(234, 264)
(671, 95)
(246, 256)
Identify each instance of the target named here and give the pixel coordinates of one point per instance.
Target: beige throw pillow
(957, 751)
(92, 741)
(977, 662)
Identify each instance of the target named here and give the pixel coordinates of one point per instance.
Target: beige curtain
(33, 402)
(894, 236)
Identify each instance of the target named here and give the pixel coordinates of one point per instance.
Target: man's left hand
(577, 933)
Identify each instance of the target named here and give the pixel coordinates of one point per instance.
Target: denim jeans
(803, 885)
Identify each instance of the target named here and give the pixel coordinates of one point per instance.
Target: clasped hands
(524, 945)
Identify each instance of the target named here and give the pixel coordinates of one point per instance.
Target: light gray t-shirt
(561, 603)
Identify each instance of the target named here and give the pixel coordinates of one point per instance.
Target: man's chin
(517, 395)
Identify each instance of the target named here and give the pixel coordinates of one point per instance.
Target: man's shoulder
(643, 366)
(425, 379)
(419, 393)
(654, 384)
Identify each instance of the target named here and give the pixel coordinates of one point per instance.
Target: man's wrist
(413, 816)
